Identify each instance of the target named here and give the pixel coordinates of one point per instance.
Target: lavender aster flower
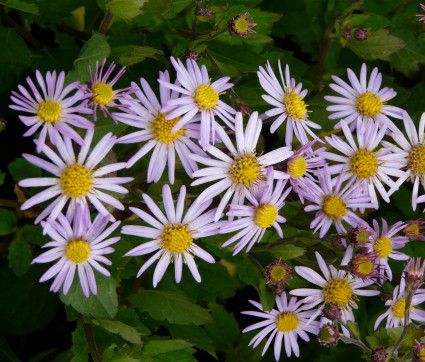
(54, 110)
(80, 246)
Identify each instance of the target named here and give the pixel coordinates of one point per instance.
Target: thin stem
(106, 22)
(272, 245)
(88, 331)
(355, 340)
(253, 261)
(194, 25)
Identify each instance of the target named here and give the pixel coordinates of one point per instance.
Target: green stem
(106, 22)
(354, 339)
(88, 331)
(253, 261)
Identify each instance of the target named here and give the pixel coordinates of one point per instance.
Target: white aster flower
(76, 178)
(198, 96)
(240, 171)
(289, 103)
(363, 99)
(172, 234)
(285, 324)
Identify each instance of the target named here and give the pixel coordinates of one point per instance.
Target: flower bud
(191, 54)
(414, 274)
(412, 230)
(240, 25)
(420, 352)
(360, 236)
(328, 335)
(331, 311)
(203, 11)
(361, 34)
(379, 354)
(347, 35)
(243, 108)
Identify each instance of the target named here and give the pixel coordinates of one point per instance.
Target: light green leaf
(80, 347)
(125, 9)
(153, 348)
(8, 222)
(127, 332)
(19, 255)
(20, 5)
(287, 251)
(130, 55)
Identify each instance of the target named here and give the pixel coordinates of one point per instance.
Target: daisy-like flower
(363, 99)
(172, 234)
(332, 202)
(253, 220)
(80, 246)
(54, 109)
(155, 130)
(198, 96)
(242, 170)
(365, 161)
(285, 324)
(76, 178)
(289, 104)
(397, 307)
(242, 25)
(364, 265)
(337, 286)
(101, 90)
(413, 230)
(386, 243)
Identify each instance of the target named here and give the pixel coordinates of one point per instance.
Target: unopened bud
(243, 108)
(414, 274)
(328, 335)
(361, 34)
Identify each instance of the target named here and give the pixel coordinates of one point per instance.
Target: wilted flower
(379, 355)
(360, 236)
(331, 311)
(277, 275)
(241, 25)
(360, 34)
(203, 11)
(328, 335)
(191, 54)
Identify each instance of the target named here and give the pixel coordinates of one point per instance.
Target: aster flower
(198, 96)
(75, 178)
(365, 161)
(289, 104)
(253, 220)
(413, 230)
(155, 131)
(242, 170)
(54, 110)
(277, 275)
(172, 234)
(332, 202)
(285, 324)
(101, 90)
(242, 25)
(423, 20)
(397, 306)
(78, 245)
(363, 99)
(365, 265)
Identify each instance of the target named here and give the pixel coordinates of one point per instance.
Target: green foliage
(21, 169)
(8, 222)
(19, 255)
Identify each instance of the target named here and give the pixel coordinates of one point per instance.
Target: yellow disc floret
(287, 322)
(369, 104)
(176, 238)
(265, 216)
(102, 94)
(241, 25)
(76, 181)
(412, 229)
(399, 308)
(161, 129)
(364, 164)
(363, 266)
(416, 160)
(78, 251)
(278, 273)
(49, 111)
(383, 246)
(338, 291)
(334, 207)
(294, 105)
(206, 97)
(245, 170)
(297, 167)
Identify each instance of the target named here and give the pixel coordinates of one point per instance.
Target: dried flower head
(414, 274)
(347, 35)
(331, 311)
(412, 230)
(191, 54)
(240, 25)
(277, 275)
(328, 335)
(203, 11)
(360, 236)
(379, 354)
(360, 34)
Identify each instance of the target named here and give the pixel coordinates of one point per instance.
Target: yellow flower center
(76, 181)
(161, 129)
(294, 105)
(278, 273)
(421, 355)
(176, 238)
(206, 97)
(416, 160)
(287, 322)
(334, 207)
(78, 251)
(369, 104)
(363, 266)
(245, 170)
(297, 167)
(412, 230)
(49, 111)
(241, 25)
(338, 291)
(265, 216)
(399, 308)
(383, 246)
(364, 164)
(102, 94)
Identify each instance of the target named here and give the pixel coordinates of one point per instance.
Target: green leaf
(267, 297)
(153, 348)
(413, 333)
(8, 222)
(355, 328)
(127, 332)
(34, 235)
(6, 353)
(80, 347)
(2, 176)
(132, 54)
(21, 169)
(224, 331)
(125, 9)
(19, 255)
(123, 353)
(106, 125)
(20, 5)
(287, 251)
(103, 305)
(171, 306)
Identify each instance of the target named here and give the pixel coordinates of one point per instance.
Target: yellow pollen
(294, 105)
(241, 25)
(176, 238)
(287, 322)
(78, 251)
(49, 111)
(416, 160)
(245, 170)
(206, 97)
(161, 129)
(297, 167)
(384, 246)
(364, 164)
(278, 273)
(421, 355)
(369, 104)
(364, 266)
(412, 230)
(399, 308)
(76, 181)
(334, 207)
(102, 94)
(338, 291)
(265, 216)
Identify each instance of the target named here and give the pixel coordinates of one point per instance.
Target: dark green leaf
(132, 54)
(21, 169)
(19, 255)
(34, 235)
(8, 222)
(153, 348)
(20, 5)
(287, 251)
(127, 332)
(224, 331)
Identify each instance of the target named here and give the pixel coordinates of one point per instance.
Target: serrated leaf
(21, 169)
(153, 348)
(19, 255)
(127, 332)
(8, 222)
(125, 9)
(287, 251)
